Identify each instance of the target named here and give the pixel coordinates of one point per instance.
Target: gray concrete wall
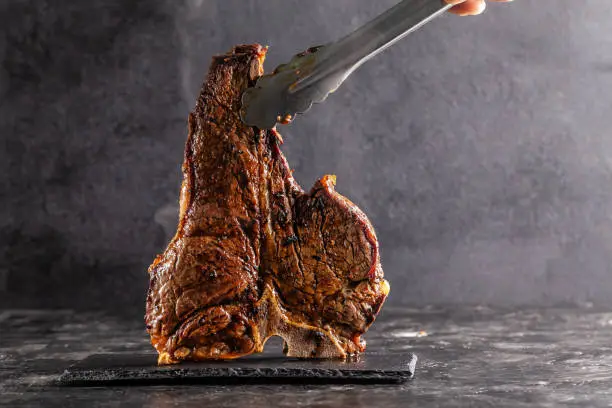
(479, 147)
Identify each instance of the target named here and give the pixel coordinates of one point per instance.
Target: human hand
(470, 7)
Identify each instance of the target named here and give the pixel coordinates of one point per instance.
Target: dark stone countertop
(477, 357)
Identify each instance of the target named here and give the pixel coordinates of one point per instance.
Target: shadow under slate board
(141, 369)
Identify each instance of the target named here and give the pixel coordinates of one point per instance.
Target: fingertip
(469, 8)
(480, 7)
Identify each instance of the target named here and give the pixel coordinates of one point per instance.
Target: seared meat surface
(255, 256)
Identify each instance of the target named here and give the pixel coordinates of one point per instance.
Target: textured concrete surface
(468, 357)
(479, 147)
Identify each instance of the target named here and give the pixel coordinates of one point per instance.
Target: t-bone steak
(255, 256)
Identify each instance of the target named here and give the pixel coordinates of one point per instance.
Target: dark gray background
(479, 147)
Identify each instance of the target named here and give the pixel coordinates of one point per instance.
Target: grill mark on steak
(255, 256)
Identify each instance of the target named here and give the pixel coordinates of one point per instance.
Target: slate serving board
(141, 369)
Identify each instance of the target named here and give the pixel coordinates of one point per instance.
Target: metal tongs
(312, 75)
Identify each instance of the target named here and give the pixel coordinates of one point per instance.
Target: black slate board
(141, 369)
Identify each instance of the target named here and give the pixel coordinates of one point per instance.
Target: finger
(470, 7)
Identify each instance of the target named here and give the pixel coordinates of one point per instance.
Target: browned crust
(255, 256)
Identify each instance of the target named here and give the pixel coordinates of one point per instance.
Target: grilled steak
(254, 256)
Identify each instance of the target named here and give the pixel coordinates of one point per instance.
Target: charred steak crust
(254, 255)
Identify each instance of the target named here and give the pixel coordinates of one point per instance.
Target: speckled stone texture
(479, 147)
(468, 357)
